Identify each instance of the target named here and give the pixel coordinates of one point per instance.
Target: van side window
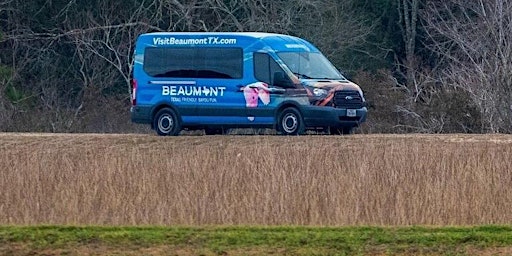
(265, 67)
(194, 62)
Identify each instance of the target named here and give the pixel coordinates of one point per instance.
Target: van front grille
(348, 99)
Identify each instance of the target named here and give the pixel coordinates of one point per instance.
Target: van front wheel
(166, 122)
(289, 122)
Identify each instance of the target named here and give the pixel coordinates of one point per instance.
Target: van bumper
(321, 116)
(141, 114)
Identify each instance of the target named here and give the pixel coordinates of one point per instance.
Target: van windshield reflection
(308, 65)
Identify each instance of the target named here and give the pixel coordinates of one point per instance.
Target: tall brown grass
(263, 180)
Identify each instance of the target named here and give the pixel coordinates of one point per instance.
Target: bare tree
(5, 76)
(475, 41)
(408, 13)
(332, 25)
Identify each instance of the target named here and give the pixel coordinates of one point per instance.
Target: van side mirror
(280, 80)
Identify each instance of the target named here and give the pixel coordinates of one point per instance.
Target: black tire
(341, 130)
(290, 122)
(167, 123)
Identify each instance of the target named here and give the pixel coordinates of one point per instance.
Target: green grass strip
(267, 240)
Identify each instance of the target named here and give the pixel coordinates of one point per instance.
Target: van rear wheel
(167, 123)
(290, 122)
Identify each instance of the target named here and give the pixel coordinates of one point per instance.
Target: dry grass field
(86, 179)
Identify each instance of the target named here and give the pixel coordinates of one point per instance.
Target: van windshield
(310, 65)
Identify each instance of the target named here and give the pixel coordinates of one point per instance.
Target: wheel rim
(290, 123)
(165, 123)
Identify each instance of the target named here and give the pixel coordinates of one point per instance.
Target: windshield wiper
(328, 78)
(302, 76)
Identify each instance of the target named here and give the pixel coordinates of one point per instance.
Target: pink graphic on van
(255, 91)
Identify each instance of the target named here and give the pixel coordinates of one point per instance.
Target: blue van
(217, 81)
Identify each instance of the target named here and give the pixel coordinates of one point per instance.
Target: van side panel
(205, 101)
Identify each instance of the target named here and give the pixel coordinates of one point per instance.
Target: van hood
(321, 92)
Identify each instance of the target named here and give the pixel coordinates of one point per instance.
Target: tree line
(427, 66)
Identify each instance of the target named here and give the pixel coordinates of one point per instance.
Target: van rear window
(194, 62)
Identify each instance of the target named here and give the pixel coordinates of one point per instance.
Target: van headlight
(320, 92)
